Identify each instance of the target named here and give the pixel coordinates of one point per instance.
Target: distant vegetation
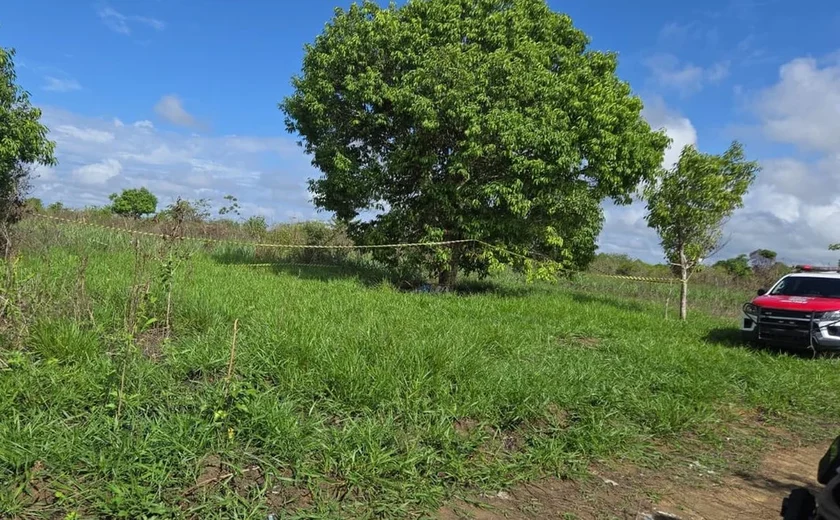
(737, 273)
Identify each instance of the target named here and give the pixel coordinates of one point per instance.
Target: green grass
(348, 398)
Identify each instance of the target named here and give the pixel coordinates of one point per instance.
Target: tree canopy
(23, 140)
(469, 119)
(688, 204)
(738, 266)
(134, 202)
(767, 253)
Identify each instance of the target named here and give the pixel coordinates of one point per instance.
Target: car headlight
(828, 316)
(751, 309)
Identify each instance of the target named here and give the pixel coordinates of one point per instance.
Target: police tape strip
(334, 247)
(257, 244)
(634, 278)
(646, 279)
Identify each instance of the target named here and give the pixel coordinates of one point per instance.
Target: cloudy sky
(184, 101)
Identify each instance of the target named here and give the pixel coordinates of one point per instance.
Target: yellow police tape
(255, 244)
(633, 278)
(340, 247)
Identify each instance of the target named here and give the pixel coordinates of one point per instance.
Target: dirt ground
(692, 493)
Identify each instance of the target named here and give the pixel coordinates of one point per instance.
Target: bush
(256, 226)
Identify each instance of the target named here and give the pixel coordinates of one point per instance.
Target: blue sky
(182, 97)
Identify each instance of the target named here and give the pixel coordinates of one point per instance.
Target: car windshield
(808, 286)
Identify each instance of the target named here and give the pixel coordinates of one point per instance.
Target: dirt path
(695, 494)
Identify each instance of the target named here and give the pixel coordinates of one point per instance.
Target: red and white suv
(801, 310)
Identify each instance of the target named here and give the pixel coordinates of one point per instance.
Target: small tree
(34, 204)
(23, 141)
(187, 211)
(738, 267)
(688, 205)
(768, 254)
(134, 202)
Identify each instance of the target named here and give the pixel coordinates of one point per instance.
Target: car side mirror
(762, 292)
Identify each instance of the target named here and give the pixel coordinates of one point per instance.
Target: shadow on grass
(731, 337)
(475, 287)
(308, 266)
(782, 484)
(615, 302)
(326, 267)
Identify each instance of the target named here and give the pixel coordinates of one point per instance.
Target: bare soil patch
(690, 493)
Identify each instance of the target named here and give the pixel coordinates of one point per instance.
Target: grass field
(346, 398)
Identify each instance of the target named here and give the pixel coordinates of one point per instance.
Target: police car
(801, 310)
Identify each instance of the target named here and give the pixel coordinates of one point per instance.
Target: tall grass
(343, 397)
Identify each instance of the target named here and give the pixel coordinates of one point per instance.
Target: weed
(341, 397)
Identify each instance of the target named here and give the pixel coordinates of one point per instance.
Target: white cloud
(171, 109)
(98, 173)
(160, 155)
(803, 108)
(675, 33)
(114, 20)
(61, 85)
(718, 72)
(43, 173)
(678, 128)
(669, 72)
(85, 134)
(154, 23)
(122, 24)
(118, 123)
(793, 207)
(257, 144)
(98, 157)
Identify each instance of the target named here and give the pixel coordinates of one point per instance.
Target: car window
(808, 286)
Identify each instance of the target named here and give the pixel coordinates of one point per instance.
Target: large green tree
(23, 141)
(688, 205)
(469, 119)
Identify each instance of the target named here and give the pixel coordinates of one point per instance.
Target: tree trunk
(449, 276)
(683, 287)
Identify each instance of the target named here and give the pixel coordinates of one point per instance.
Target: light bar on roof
(813, 269)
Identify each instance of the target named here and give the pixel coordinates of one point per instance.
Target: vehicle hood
(798, 303)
